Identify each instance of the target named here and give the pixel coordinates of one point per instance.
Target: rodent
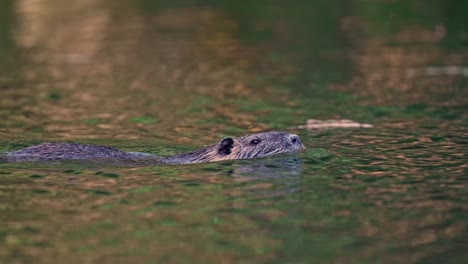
(247, 147)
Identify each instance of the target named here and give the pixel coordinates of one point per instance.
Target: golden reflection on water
(143, 214)
(396, 68)
(90, 74)
(106, 70)
(404, 174)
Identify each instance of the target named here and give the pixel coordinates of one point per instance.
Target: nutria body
(248, 147)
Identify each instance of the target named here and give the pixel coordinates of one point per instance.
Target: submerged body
(248, 147)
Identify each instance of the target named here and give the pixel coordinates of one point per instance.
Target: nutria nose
(296, 141)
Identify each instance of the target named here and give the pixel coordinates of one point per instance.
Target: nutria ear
(225, 146)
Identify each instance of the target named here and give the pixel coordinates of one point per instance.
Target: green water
(170, 76)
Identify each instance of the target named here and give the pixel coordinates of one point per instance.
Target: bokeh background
(168, 76)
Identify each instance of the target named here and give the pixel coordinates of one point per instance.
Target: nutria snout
(247, 147)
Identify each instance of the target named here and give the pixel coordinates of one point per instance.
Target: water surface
(165, 78)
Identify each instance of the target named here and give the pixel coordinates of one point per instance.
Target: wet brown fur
(270, 143)
(248, 147)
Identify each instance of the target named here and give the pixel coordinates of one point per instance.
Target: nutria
(248, 147)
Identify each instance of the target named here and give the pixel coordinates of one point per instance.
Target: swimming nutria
(248, 147)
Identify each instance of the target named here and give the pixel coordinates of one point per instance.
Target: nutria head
(248, 147)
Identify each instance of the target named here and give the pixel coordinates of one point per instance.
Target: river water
(166, 77)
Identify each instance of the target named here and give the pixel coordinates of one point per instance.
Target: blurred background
(132, 69)
(165, 76)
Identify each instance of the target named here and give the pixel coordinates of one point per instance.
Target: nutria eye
(255, 141)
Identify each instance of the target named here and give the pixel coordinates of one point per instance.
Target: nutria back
(248, 147)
